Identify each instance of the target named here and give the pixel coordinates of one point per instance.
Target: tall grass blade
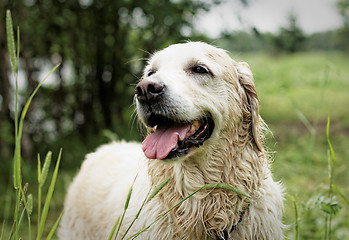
(17, 160)
(18, 47)
(293, 199)
(25, 109)
(2, 229)
(345, 200)
(114, 228)
(29, 207)
(54, 228)
(158, 189)
(39, 169)
(18, 226)
(135, 218)
(302, 117)
(48, 198)
(147, 199)
(16, 214)
(39, 190)
(17, 176)
(227, 187)
(128, 198)
(331, 161)
(14, 63)
(45, 169)
(332, 154)
(22, 201)
(125, 207)
(11, 42)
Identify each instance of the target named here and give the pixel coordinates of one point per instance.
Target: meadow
(297, 93)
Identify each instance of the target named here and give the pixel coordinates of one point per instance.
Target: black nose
(147, 91)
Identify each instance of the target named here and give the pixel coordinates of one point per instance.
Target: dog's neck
(229, 161)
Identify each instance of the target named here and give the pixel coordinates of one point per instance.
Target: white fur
(233, 155)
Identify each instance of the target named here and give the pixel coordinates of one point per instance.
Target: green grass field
(297, 93)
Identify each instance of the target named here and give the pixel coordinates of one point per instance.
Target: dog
(200, 109)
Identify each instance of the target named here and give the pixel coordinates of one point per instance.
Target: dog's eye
(200, 69)
(150, 73)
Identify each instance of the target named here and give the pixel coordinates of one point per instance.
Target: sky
(269, 16)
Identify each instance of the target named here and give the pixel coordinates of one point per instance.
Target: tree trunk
(104, 88)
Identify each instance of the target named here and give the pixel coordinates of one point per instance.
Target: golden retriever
(200, 108)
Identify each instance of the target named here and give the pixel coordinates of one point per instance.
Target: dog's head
(189, 94)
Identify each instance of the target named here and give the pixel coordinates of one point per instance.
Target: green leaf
(302, 117)
(48, 198)
(114, 228)
(54, 228)
(125, 208)
(333, 156)
(329, 205)
(158, 189)
(39, 169)
(17, 155)
(128, 198)
(227, 187)
(345, 200)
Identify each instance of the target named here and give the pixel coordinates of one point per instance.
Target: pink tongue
(160, 143)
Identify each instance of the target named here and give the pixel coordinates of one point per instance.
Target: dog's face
(188, 94)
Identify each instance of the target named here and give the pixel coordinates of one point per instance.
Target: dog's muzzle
(171, 137)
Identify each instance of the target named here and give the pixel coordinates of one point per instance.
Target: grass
(297, 93)
(23, 199)
(316, 81)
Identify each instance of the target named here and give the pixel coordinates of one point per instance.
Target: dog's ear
(250, 104)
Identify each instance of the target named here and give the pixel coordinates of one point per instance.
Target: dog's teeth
(196, 124)
(192, 128)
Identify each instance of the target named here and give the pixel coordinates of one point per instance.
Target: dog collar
(225, 232)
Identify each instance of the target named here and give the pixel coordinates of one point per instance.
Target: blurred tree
(322, 41)
(246, 41)
(343, 8)
(290, 38)
(101, 45)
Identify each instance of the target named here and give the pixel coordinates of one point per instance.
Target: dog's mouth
(173, 139)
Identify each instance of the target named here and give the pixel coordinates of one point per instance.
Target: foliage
(254, 41)
(343, 8)
(326, 202)
(290, 38)
(24, 201)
